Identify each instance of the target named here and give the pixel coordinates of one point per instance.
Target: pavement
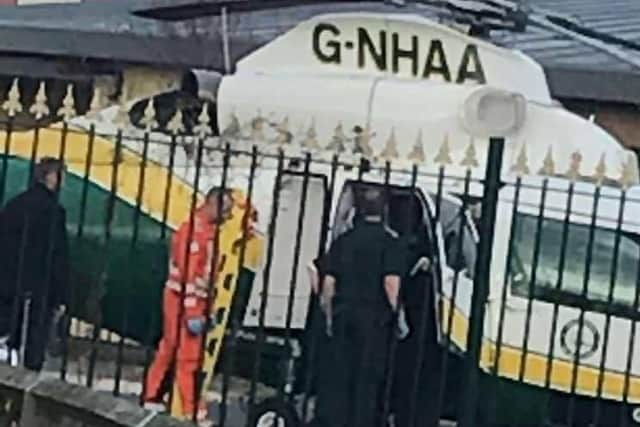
(130, 387)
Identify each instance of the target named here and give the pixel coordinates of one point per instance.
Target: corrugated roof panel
(617, 18)
(611, 16)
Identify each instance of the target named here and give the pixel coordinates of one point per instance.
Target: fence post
(481, 283)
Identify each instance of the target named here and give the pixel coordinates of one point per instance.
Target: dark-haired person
(192, 249)
(361, 286)
(34, 262)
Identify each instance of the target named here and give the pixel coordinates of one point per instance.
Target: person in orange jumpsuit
(185, 304)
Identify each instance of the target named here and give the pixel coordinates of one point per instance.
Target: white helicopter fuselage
(337, 73)
(409, 91)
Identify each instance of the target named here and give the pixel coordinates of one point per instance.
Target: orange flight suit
(192, 270)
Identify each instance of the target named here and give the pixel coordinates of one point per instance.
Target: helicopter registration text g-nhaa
(406, 89)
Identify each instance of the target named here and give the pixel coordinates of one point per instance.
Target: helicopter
(406, 84)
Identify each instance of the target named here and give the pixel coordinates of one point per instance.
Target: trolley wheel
(274, 413)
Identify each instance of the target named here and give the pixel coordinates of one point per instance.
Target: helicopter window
(462, 257)
(601, 262)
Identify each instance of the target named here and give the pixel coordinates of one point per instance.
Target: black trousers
(417, 376)
(352, 369)
(38, 323)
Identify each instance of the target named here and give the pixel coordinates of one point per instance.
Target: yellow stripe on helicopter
(101, 170)
(535, 369)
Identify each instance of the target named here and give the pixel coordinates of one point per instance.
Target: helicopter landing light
(491, 112)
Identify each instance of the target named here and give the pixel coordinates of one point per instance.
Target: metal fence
(525, 316)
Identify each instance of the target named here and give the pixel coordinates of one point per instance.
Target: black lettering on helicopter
(410, 54)
(367, 47)
(437, 62)
(376, 49)
(330, 53)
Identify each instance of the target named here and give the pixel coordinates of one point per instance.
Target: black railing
(508, 325)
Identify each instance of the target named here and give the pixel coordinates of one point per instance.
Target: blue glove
(196, 325)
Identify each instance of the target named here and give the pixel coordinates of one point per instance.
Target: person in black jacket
(359, 294)
(34, 262)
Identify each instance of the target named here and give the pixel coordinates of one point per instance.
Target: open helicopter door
(283, 260)
(458, 264)
(410, 215)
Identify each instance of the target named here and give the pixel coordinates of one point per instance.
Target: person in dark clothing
(316, 339)
(417, 364)
(360, 295)
(34, 262)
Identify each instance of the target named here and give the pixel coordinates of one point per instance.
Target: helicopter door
(460, 250)
(284, 256)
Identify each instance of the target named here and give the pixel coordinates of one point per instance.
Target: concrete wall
(34, 401)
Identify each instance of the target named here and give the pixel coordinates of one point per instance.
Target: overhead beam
(188, 52)
(169, 10)
(594, 85)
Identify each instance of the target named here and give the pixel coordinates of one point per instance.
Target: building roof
(619, 19)
(576, 69)
(97, 34)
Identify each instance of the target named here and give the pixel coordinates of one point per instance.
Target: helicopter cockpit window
(573, 275)
(461, 249)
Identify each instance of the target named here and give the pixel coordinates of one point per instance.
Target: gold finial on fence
(149, 117)
(203, 128)
(574, 166)
(470, 159)
(362, 141)
(257, 128)
(443, 157)
(122, 116)
(190, 149)
(601, 171)
(232, 131)
(96, 103)
(12, 105)
(283, 135)
(175, 125)
(416, 156)
(627, 176)
(68, 110)
(521, 167)
(337, 140)
(390, 151)
(310, 142)
(548, 164)
(39, 108)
